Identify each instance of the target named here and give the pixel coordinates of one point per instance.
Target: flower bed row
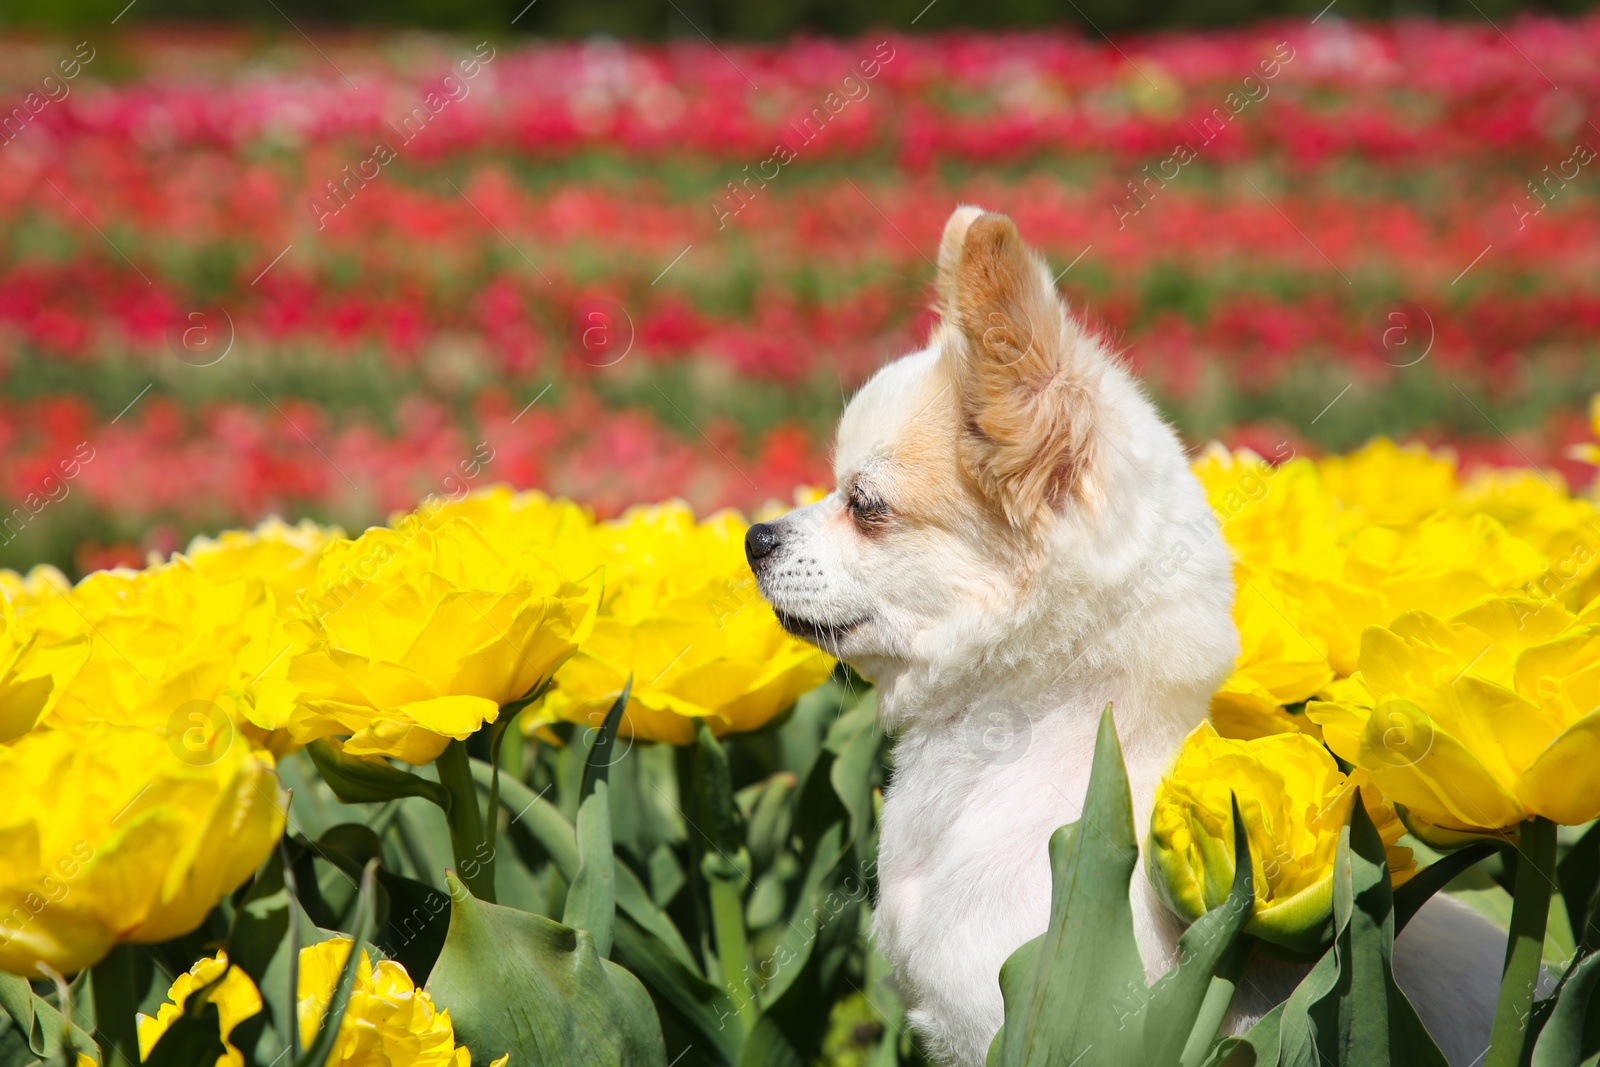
(83, 493)
(1173, 319)
(1332, 89)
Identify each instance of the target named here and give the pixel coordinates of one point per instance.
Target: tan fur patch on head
(1028, 402)
(933, 489)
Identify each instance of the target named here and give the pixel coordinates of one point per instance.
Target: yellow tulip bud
(236, 998)
(1294, 801)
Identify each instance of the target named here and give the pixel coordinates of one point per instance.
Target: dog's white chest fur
(962, 861)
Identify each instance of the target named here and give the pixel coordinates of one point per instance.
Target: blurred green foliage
(746, 18)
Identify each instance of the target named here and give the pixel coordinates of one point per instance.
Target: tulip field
(213, 286)
(382, 682)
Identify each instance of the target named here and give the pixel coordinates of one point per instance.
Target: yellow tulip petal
(1416, 763)
(453, 716)
(400, 740)
(1562, 783)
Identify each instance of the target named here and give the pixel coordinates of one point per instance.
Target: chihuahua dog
(1015, 541)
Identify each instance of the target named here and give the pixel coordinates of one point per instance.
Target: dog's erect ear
(1027, 395)
(955, 234)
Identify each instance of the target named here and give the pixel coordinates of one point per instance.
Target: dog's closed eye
(870, 513)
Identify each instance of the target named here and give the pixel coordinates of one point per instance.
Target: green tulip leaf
(1258, 1047)
(808, 966)
(259, 942)
(1348, 1012)
(1210, 960)
(361, 930)
(546, 825)
(718, 846)
(1571, 1033)
(685, 1000)
(855, 739)
(40, 1032)
(602, 747)
(1578, 875)
(768, 817)
(1409, 898)
(1087, 972)
(520, 983)
(592, 897)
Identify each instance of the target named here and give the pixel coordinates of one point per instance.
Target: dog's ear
(1027, 395)
(955, 235)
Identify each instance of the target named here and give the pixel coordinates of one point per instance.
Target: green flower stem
(1214, 1008)
(474, 854)
(1530, 910)
(733, 954)
(726, 868)
(115, 1030)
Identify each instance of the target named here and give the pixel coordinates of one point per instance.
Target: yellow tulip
(1277, 518)
(1391, 484)
(1535, 506)
(1353, 541)
(414, 637)
(1279, 663)
(516, 522)
(119, 833)
(1478, 721)
(388, 1022)
(168, 647)
(284, 557)
(1444, 563)
(683, 616)
(1294, 802)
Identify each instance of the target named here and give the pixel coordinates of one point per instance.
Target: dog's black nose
(760, 540)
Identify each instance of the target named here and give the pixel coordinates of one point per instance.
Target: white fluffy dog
(1015, 540)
